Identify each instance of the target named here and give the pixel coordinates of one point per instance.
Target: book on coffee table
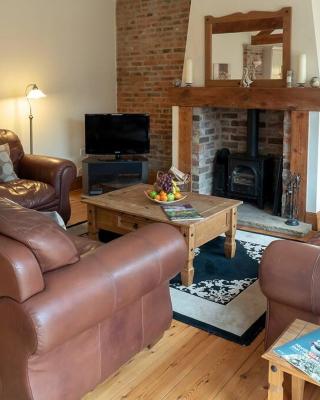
(303, 353)
(181, 212)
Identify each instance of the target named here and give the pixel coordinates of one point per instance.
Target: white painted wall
(313, 182)
(68, 47)
(303, 33)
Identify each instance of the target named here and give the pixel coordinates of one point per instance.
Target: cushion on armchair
(43, 182)
(7, 173)
(28, 193)
(48, 242)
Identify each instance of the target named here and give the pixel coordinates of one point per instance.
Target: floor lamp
(32, 93)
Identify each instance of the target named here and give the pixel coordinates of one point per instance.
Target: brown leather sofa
(44, 182)
(73, 311)
(290, 279)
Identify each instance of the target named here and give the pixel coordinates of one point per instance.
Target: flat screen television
(117, 134)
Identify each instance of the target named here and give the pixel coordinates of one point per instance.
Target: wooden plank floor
(78, 209)
(189, 364)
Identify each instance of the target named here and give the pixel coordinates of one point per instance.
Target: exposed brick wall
(206, 140)
(151, 40)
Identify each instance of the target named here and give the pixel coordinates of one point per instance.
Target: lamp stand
(30, 127)
(31, 133)
(32, 92)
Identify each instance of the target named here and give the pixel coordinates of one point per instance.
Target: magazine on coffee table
(303, 353)
(181, 212)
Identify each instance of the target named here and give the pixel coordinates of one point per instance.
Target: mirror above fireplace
(258, 40)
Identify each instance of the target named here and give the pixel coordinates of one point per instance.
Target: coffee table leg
(187, 273)
(92, 227)
(275, 383)
(230, 242)
(297, 388)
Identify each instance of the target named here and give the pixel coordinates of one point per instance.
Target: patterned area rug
(225, 298)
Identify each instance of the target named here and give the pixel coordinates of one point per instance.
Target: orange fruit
(163, 197)
(158, 197)
(177, 195)
(162, 193)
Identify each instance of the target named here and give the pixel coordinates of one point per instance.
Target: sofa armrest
(20, 274)
(49, 170)
(104, 281)
(290, 275)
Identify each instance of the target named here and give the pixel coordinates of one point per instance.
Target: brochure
(183, 212)
(304, 354)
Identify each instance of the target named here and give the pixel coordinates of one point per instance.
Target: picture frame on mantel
(267, 28)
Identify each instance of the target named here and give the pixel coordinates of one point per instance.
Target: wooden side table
(279, 366)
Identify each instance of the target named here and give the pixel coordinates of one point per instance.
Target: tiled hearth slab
(251, 216)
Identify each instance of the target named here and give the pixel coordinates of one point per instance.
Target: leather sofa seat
(29, 194)
(72, 310)
(44, 182)
(290, 279)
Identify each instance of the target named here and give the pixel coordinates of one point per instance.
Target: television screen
(117, 133)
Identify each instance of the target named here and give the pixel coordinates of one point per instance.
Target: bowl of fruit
(165, 190)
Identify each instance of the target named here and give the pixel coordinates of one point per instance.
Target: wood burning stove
(249, 174)
(248, 178)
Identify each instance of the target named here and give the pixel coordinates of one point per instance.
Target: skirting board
(314, 219)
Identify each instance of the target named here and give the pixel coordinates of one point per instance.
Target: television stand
(103, 175)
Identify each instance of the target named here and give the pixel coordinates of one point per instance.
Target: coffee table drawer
(118, 222)
(131, 223)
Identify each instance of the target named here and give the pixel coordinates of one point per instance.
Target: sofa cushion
(48, 242)
(29, 194)
(7, 173)
(16, 150)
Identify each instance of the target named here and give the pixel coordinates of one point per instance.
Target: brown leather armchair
(44, 182)
(290, 279)
(72, 311)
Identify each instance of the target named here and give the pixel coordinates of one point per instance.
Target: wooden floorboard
(188, 364)
(78, 209)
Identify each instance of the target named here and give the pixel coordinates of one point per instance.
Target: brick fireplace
(289, 106)
(226, 128)
(216, 128)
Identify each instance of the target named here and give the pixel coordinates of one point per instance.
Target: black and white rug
(225, 298)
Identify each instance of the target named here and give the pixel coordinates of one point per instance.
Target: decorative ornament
(315, 82)
(246, 81)
(177, 82)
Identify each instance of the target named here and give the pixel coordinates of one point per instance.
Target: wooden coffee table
(128, 209)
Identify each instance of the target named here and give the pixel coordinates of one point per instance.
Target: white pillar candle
(189, 71)
(302, 71)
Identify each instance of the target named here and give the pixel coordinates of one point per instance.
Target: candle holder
(301, 85)
(188, 84)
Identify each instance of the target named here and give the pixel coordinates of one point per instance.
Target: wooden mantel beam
(272, 98)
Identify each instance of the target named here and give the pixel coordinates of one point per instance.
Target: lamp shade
(34, 92)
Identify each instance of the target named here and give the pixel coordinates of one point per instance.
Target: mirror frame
(252, 21)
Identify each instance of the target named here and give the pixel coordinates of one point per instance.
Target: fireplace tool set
(293, 186)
